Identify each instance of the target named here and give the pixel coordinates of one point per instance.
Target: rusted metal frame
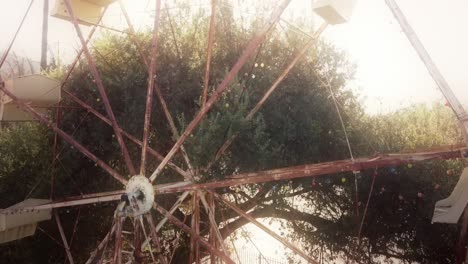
(195, 223)
(153, 152)
(170, 120)
(75, 226)
(275, 85)
(64, 238)
(137, 251)
(214, 230)
(209, 51)
(5, 54)
(140, 220)
(101, 245)
(174, 207)
(102, 92)
(367, 206)
(302, 171)
(343, 126)
(190, 231)
(154, 237)
(266, 229)
(150, 90)
(65, 136)
(435, 73)
(58, 114)
(156, 87)
(314, 170)
(117, 259)
(101, 197)
(108, 27)
(249, 50)
(49, 236)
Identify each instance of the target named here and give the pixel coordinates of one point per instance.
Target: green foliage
(413, 128)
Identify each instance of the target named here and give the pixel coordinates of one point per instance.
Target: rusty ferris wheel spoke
(100, 86)
(151, 82)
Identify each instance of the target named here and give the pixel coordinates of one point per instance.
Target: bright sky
(389, 72)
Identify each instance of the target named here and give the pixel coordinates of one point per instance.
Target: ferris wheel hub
(138, 198)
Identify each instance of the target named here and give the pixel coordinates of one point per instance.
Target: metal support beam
(117, 259)
(154, 237)
(195, 222)
(318, 169)
(101, 246)
(150, 90)
(64, 238)
(288, 173)
(214, 230)
(209, 50)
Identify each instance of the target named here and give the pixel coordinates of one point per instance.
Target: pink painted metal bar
(149, 93)
(209, 51)
(289, 173)
(137, 232)
(118, 241)
(64, 135)
(195, 224)
(266, 229)
(275, 85)
(102, 92)
(318, 169)
(64, 239)
(5, 54)
(170, 120)
(254, 43)
(58, 114)
(153, 152)
(214, 230)
(192, 233)
(154, 237)
(101, 245)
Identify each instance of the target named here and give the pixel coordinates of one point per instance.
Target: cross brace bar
(288, 173)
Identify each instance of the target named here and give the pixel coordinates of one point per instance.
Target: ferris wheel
(26, 97)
